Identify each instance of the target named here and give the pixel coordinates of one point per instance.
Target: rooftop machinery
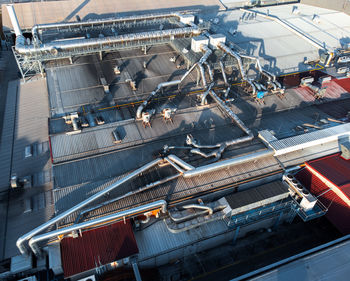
(31, 55)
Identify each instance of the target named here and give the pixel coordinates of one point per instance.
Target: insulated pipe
(141, 189)
(98, 43)
(159, 87)
(205, 94)
(233, 116)
(223, 72)
(211, 75)
(176, 82)
(201, 69)
(195, 206)
(82, 24)
(228, 163)
(106, 219)
(12, 13)
(174, 165)
(230, 52)
(82, 204)
(180, 162)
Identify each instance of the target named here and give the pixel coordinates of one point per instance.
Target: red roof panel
(338, 211)
(97, 247)
(336, 169)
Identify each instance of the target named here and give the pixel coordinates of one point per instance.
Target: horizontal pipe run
(174, 165)
(180, 162)
(120, 215)
(202, 207)
(55, 47)
(81, 24)
(27, 236)
(139, 190)
(228, 163)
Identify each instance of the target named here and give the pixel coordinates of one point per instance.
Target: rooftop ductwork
(111, 21)
(103, 220)
(162, 85)
(92, 44)
(21, 240)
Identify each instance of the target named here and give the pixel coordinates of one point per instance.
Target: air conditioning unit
(309, 201)
(89, 278)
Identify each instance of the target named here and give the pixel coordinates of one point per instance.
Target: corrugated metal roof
(99, 139)
(157, 239)
(338, 211)
(172, 191)
(336, 169)
(97, 247)
(309, 139)
(256, 194)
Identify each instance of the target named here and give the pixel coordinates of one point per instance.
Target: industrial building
(136, 136)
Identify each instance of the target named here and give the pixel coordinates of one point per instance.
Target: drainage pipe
(102, 220)
(27, 236)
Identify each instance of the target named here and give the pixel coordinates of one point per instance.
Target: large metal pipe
(210, 71)
(130, 193)
(230, 52)
(180, 162)
(180, 170)
(202, 207)
(154, 93)
(228, 163)
(55, 47)
(82, 204)
(106, 219)
(13, 17)
(110, 21)
(206, 55)
(223, 71)
(202, 72)
(233, 116)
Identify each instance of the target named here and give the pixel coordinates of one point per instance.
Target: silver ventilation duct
(54, 48)
(106, 219)
(233, 54)
(29, 235)
(82, 24)
(206, 55)
(227, 163)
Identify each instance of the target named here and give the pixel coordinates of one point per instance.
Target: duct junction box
(187, 19)
(215, 39)
(197, 42)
